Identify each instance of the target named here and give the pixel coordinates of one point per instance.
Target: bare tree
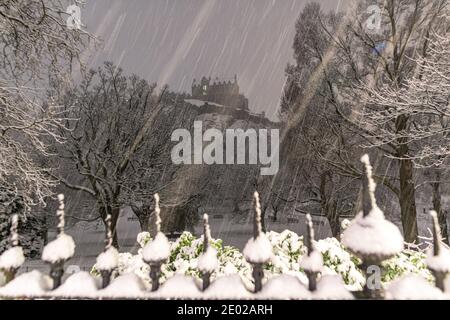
(117, 138)
(346, 56)
(314, 138)
(35, 44)
(410, 119)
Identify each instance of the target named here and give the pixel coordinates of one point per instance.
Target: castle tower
(225, 92)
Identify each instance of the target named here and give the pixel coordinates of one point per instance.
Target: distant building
(222, 92)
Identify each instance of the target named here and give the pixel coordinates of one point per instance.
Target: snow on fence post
(207, 262)
(370, 236)
(157, 251)
(258, 250)
(108, 260)
(58, 251)
(438, 259)
(312, 263)
(13, 258)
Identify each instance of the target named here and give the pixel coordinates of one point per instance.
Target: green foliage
(288, 249)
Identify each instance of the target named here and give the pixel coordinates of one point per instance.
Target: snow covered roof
(200, 103)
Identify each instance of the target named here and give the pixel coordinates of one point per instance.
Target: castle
(223, 92)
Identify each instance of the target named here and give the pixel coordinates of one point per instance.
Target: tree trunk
(407, 197)
(144, 223)
(45, 230)
(115, 240)
(114, 211)
(437, 206)
(263, 219)
(407, 201)
(329, 207)
(143, 214)
(333, 220)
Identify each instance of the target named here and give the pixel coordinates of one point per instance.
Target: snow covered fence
(370, 237)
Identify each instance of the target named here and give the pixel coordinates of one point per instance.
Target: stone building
(218, 91)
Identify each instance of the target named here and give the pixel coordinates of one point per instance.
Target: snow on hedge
(288, 250)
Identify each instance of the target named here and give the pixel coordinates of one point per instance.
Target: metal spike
(309, 234)
(257, 228)
(436, 233)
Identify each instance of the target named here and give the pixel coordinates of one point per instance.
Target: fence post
(60, 250)
(107, 261)
(383, 239)
(312, 262)
(207, 262)
(258, 250)
(13, 257)
(439, 268)
(156, 253)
